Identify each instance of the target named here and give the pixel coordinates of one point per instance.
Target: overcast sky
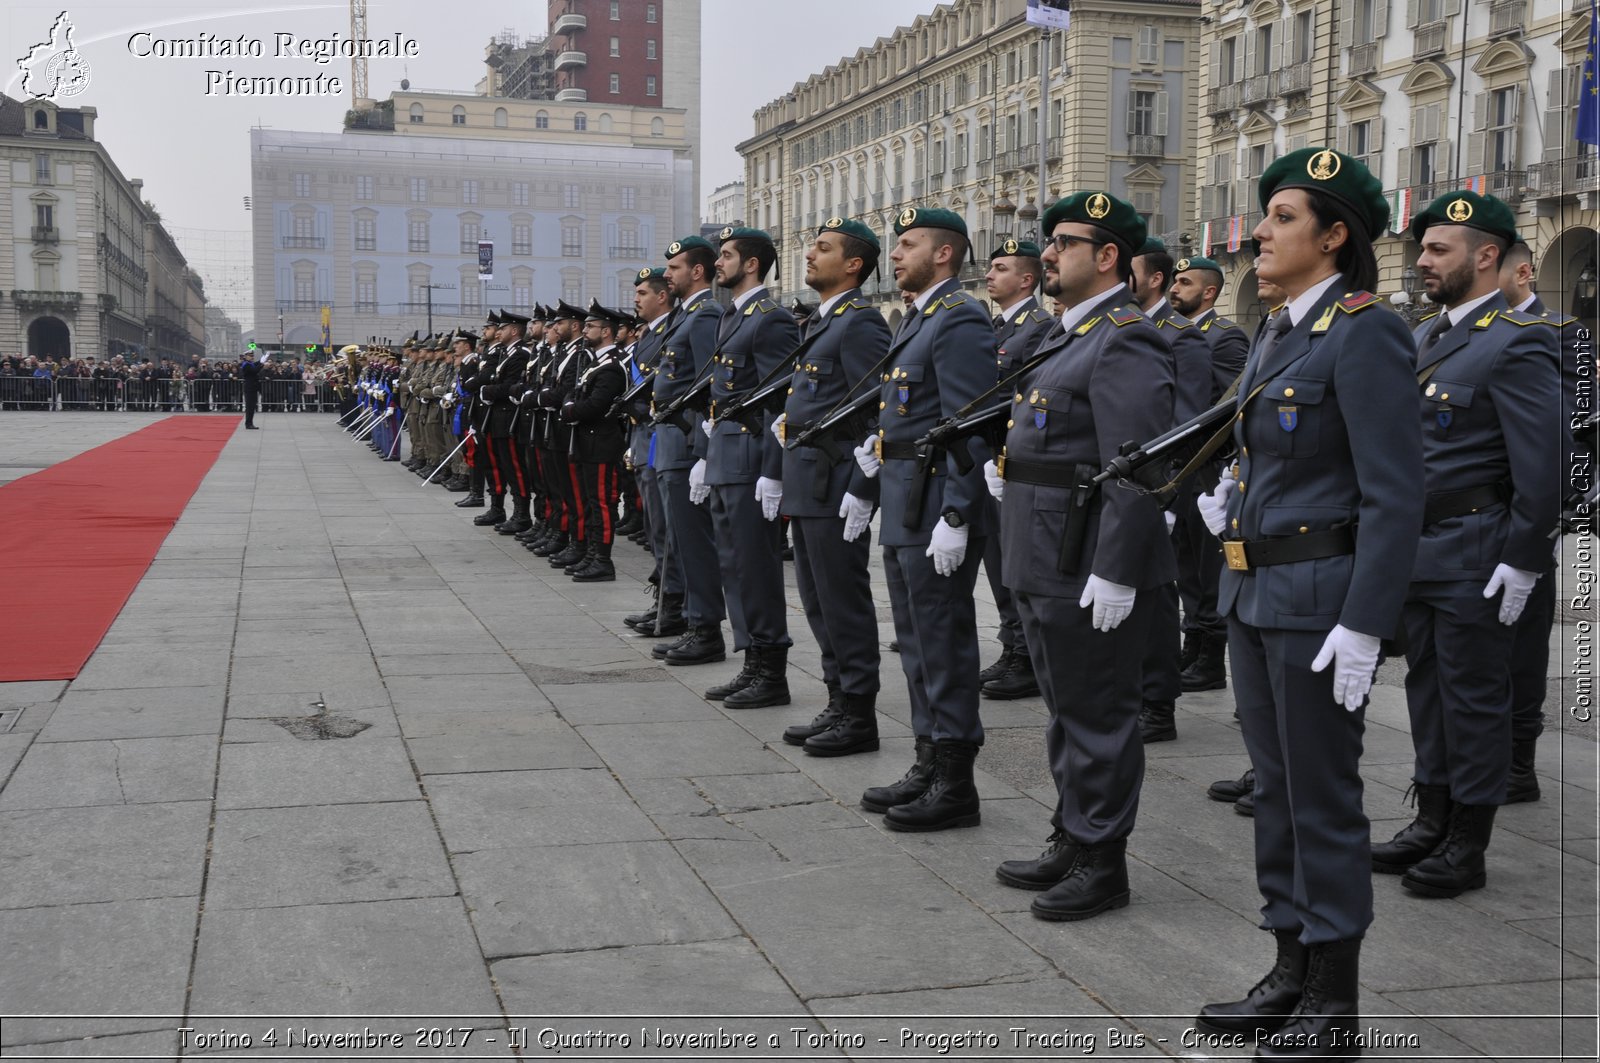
(192, 149)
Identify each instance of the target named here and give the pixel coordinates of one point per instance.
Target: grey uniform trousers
(836, 593)
(936, 624)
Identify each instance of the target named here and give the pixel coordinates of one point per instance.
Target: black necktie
(1279, 327)
(1440, 327)
(997, 321)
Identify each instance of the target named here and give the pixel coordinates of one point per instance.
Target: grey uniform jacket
(838, 352)
(1192, 377)
(942, 358)
(1330, 439)
(760, 340)
(1493, 382)
(1018, 334)
(1106, 381)
(1229, 347)
(685, 359)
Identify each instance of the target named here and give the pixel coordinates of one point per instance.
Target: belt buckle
(877, 449)
(1233, 551)
(783, 431)
(1000, 466)
(652, 407)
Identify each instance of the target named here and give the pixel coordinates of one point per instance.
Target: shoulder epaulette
(1523, 318)
(1123, 315)
(1354, 301)
(851, 304)
(1173, 322)
(1220, 322)
(945, 302)
(1557, 319)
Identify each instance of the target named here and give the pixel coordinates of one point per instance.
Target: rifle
(697, 398)
(758, 399)
(821, 434)
(1149, 468)
(628, 399)
(952, 433)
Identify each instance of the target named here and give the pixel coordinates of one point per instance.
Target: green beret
(1339, 176)
(743, 233)
(929, 218)
(1102, 210)
(678, 247)
(1021, 248)
(1152, 246)
(659, 272)
(851, 227)
(1485, 213)
(1196, 262)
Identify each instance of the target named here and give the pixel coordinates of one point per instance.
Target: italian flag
(1399, 210)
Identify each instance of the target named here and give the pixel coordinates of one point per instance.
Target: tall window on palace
(1500, 144)
(650, 13)
(44, 215)
(519, 194)
(364, 186)
(1147, 113)
(650, 49)
(302, 186)
(616, 47)
(650, 85)
(630, 197)
(366, 293)
(419, 190)
(569, 196)
(522, 287)
(522, 239)
(471, 233)
(572, 240)
(616, 84)
(469, 192)
(366, 234)
(1149, 45)
(417, 236)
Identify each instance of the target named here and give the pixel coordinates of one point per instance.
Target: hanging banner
(486, 260)
(1050, 14)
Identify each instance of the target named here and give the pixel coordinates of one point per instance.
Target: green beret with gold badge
(929, 218)
(1336, 175)
(1485, 213)
(851, 227)
(678, 247)
(1106, 212)
(659, 272)
(740, 232)
(1019, 248)
(1183, 265)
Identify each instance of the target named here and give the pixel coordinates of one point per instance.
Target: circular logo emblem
(67, 73)
(833, 223)
(674, 248)
(726, 233)
(644, 274)
(1458, 211)
(1099, 206)
(1323, 165)
(1182, 264)
(908, 216)
(1009, 247)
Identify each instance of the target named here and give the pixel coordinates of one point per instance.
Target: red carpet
(76, 538)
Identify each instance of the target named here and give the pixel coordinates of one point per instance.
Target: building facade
(1433, 95)
(175, 299)
(947, 111)
(382, 225)
(725, 205)
(78, 274)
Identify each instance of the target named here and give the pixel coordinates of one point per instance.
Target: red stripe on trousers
(496, 485)
(516, 467)
(577, 495)
(604, 491)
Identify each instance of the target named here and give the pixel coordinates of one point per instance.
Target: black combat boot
(670, 620)
(646, 621)
(1419, 837)
(854, 731)
(910, 787)
(951, 799)
(1157, 722)
(703, 645)
(1522, 784)
(599, 569)
(1457, 865)
(1050, 867)
(1018, 680)
(771, 683)
(455, 485)
(555, 543)
(1231, 790)
(1096, 881)
(535, 530)
(1190, 651)
(797, 733)
(746, 676)
(574, 549)
(1323, 1026)
(1210, 669)
(520, 520)
(1270, 1001)
(495, 514)
(999, 668)
(574, 567)
(472, 501)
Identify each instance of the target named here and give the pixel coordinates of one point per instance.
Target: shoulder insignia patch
(1558, 320)
(1486, 320)
(1325, 321)
(1221, 322)
(1174, 322)
(1524, 319)
(945, 302)
(1355, 301)
(1123, 316)
(1083, 329)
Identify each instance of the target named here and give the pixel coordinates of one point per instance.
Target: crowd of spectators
(149, 385)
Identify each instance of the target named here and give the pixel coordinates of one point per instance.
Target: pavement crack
(116, 767)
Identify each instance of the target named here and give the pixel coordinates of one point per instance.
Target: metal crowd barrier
(159, 396)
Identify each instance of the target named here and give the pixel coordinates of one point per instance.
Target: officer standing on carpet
(1488, 378)
(743, 468)
(250, 373)
(935, 519)
(1019, 324)
(830, 505)
(1327, 442)
(1088, 567)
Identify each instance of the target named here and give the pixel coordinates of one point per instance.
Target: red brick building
(610, 51)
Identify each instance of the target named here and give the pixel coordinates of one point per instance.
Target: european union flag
(1588, 131)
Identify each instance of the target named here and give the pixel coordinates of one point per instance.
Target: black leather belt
(1446, 504)
(888, 451)
(1309, 546)
(1038, 473)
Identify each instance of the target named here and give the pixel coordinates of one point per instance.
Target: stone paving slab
(314, 773)
(132, 771)
(56, 856)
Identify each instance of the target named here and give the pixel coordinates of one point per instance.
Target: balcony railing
(571, 22)
(859, 206)
(1223, 99)
(1363, 60)
(626, 251)
(45, 234)
(37, 300)
(935, 182)
(1507, 17)
(1507, 185)
(985, 168)
(304, 243)
(1255, 90)
(1147, 144)
(572, 95)
(1294, 78)
(1430, 39)
(298, 306)
(1564, 177)
(1057, 148)
(572, 58)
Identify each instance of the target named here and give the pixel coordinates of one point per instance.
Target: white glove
(777, 427)
(698, 491)
(867, 457)
(1355, 659)
(991, 476)
(857, 514)
(708, 426)
(1214, 506)
(769, 493)
(1517, 583)
(948, 548)
(1171, 518)
(1112, 602)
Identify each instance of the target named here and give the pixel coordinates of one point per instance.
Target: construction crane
(358, 60)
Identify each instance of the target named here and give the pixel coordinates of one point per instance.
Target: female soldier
(1327, 443)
